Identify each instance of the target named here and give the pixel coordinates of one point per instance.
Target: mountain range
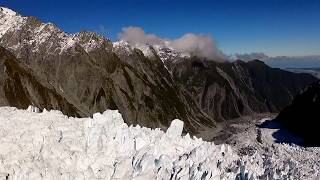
(84, 73)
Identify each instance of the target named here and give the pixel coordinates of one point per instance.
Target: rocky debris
(248, 150)
(259, 136)
(289, 157)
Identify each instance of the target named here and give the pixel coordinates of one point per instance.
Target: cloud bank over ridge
(190, 43)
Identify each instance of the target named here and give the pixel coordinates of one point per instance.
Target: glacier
(50, 145)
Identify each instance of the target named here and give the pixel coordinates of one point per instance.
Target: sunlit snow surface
(49, 145)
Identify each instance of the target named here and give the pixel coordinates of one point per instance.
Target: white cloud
(134, 35)
(193, 44)
(200, 45)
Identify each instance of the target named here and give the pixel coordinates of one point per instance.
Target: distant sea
(285, 62)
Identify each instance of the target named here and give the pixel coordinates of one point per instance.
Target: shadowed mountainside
(19, 88)
(302, 115)
(230, 90)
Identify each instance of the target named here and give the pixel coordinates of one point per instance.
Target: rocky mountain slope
(93, 74)
(20, 88)
(302, 115)
(230, 90)
(87, 73)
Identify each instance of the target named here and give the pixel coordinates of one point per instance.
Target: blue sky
(275, 27)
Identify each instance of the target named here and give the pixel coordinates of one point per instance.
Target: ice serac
(176, 128)
(50, 145)
(33, 109)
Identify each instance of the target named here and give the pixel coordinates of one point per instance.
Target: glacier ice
(175, 129)
(33, 109)
(50, 145)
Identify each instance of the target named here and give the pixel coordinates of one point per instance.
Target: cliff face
(230, 90)
(82, 84)
(20, 88)
(302, 115)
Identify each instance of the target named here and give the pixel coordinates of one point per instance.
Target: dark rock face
(303, 115)
(230, 90)
(82, 84)
(20, 88)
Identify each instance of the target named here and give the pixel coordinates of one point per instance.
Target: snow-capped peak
(9, 20)
(122, 47)
(147, 49)
(167, 53)
(7, 11)
(17, 32)
(164, 51)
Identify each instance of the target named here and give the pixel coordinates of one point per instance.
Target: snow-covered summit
(122, 47)
(169, 54)
(163, 51)
(18, 32)
(7, 11)
(9, 20)
(147, 49)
